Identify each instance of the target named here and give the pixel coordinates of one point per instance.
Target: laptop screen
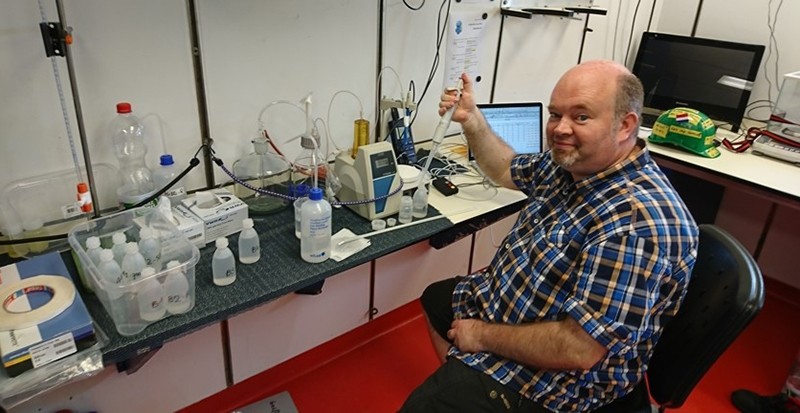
(518, 124)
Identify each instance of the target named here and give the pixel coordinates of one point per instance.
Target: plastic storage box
(135, 304)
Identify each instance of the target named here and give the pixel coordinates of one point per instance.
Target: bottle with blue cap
(315, 237)
(301, 192)
(166, 174)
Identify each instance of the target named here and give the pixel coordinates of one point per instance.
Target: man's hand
(466, 103)
(466, 335)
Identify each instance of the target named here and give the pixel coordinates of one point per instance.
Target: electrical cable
(630, 35)
(773, 42)
(405, 2)
(440, 32)
(616, 30)
(328, 118)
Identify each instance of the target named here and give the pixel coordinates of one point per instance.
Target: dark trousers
(456, 387)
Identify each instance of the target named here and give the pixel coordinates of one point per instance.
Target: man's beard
(565, 159)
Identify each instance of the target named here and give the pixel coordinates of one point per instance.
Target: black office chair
(725, 293)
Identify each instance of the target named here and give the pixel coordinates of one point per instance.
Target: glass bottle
(263, 170)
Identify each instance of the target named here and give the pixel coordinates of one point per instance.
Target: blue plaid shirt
(613, 251)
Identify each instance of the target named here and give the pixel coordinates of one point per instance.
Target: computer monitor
(712, 76)
(518, 124)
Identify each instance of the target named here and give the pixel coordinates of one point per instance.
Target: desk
(759, 204)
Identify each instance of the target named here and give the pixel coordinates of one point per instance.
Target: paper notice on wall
(465, 35)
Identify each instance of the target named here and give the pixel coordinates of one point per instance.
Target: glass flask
(303, 167)
(263, 170)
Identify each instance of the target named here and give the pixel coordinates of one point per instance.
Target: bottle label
(319, 226)
(175, 191)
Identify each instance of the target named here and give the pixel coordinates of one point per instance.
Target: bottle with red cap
(127, 134)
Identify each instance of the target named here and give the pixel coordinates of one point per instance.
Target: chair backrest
(725, 293)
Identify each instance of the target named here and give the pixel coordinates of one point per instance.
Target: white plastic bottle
(127, 134)
(301, 192)
(93, 249)
(223, 264)
(111, 273)
(176, 289)
(119, 241)
(406, 210)
(315, 240)
(249, 244)
(150, 247)
(420, 203)
(133, 263)
(150, 296)
(165, 174)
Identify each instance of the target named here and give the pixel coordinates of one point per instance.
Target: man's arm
(561, 345)
(493, 155)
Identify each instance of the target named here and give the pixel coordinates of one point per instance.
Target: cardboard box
(221, 211)
(190, 225)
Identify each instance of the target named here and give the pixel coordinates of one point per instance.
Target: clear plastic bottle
(165, 174)
(133, 263)
(111, 273)
(309, 157)
(420, 203)
(301, 192)
(223, 264)
(249, 244)
(406, 210)
(263, 170)
(315, 239)
(127, 133)
(119, 241)
(176, 289)
(150, 296)
(150, 247)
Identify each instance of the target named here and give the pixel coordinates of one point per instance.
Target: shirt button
(564, 192)
(536, 220)
(493, 394)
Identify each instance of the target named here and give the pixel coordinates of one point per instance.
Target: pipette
(420, 198)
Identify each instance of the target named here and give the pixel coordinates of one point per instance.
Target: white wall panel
(281, 329)
(401, 277)
(182, 372)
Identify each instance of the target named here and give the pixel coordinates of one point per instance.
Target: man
(566, 315)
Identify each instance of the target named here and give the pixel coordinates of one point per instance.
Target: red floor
(375, 367)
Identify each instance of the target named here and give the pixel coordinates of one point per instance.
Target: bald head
(628, 94)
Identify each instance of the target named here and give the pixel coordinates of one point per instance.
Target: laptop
(518, 124)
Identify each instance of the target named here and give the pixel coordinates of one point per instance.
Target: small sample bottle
(406, 210)
(151, 296)
(118, 248)
(420, 203)
(111, 273)
(249, 244)
(301, 192)
(150, 247)
(133, 263)
(93, 249)
(176, 289)
(166, 174)
(315, 240)
(223, 264)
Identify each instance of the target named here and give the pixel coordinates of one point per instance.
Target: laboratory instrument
(420, 198)
(265, 170)
(315, 238)
(372, 174)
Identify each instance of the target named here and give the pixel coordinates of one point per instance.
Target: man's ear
(627, 126)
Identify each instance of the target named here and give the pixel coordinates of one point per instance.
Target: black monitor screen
(712, 76)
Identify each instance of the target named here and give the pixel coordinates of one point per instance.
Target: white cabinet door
(488, 240)
(401, 277)
(281, 329)
(182, 372)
